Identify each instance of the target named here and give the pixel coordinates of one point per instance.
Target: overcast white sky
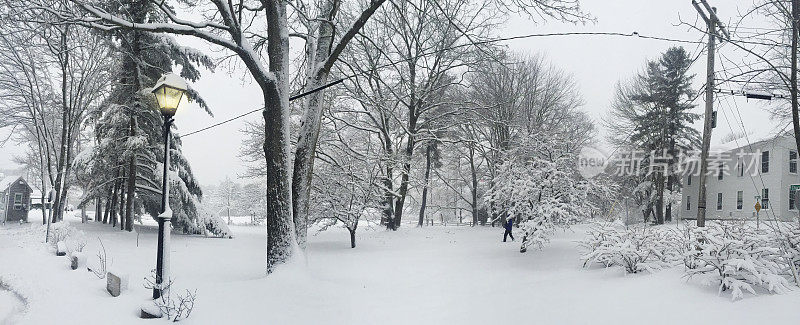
(596, 62)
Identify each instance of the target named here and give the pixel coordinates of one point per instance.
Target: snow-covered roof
(730, 142)
(171, 80)
(6, 181)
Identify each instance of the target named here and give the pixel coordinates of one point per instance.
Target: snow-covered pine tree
(129, 127)
(652, 114)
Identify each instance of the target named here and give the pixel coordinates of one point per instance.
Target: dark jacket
(509, 224)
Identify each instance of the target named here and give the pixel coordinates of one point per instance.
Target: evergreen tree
(129, 128)
(653, 114)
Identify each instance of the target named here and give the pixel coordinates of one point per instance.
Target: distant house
(763, 172)
(15, 198)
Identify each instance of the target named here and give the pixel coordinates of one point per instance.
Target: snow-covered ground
(433, 275)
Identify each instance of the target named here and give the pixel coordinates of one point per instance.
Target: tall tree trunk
(388, 198)
(44, 204)
(306, 146)
(659, 176)
(107, 213)
(114, 197)
(424, 203)
(139, 16)
(281, 242)
(670, 173)
(122, 200)
(406, 171)
(493, 212)
(403, 192)
(63, 197)
(131, 186)
(352, 237)
(474, 187)
(98, 209)
(63, 58)
(320, 55)
(388, 180)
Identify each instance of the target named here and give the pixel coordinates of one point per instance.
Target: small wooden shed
(15, 199)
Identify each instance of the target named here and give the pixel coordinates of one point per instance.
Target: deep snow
(433, 275)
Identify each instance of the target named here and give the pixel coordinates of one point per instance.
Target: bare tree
(52, 76)
(231, 26)
(516, 98)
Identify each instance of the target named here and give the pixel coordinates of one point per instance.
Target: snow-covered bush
(215, 226)
(788, 239)
(635, 248)
(74, 239)
(59, 231)
(737, 257)
(599, 245)
(76, 242)
(541, 194)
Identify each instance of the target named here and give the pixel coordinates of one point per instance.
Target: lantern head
(169, 91)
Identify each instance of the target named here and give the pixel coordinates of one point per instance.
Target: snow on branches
(788, 239)
(737, 257)
(635, 248)
(541, 190)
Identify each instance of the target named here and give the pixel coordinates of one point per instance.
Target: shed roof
(8, 180)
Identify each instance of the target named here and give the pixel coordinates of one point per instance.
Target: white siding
(777, 180)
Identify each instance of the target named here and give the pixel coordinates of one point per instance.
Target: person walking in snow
(509, 225)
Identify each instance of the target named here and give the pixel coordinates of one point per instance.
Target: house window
(791, 199)
(765, 161)
(688, 180)
(740, 164)
(765, 198)
(688, 202)
(793, 161)
(719, 201)
(17, 201)
(739, 200)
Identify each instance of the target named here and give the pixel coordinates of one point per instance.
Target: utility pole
(793, 76)
(712, 23)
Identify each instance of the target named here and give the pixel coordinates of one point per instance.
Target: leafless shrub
(102, 257)
(174, 308)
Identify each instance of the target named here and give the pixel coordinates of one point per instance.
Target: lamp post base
(149, 310)
(147, 315)
(162, 261)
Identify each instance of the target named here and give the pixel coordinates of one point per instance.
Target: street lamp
(169, 91)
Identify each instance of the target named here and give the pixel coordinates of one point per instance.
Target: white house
(766, 169)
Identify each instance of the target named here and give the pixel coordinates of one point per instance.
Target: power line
(749, 144)
(750, 95)
(258, 109)
(633, 34)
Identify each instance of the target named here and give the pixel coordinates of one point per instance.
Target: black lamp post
(169, 91)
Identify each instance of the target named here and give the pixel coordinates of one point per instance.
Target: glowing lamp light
(169, 91)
